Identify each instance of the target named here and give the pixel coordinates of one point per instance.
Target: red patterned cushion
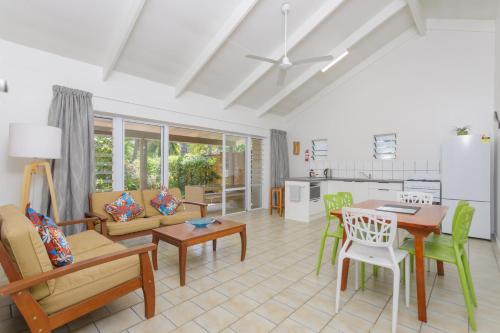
(165, 202)
(52, 237)
(124, 208)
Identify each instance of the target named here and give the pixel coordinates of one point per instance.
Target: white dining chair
(415, 197)
(370, 236)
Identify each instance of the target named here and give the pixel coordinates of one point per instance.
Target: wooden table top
(428, 217)
(186, 231)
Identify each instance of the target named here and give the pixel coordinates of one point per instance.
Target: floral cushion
(52, 237)
(124, 208)
(165, 202)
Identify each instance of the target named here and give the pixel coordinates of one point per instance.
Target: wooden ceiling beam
(369, 26)
(303, 31)
(215, 44)
(121, 37)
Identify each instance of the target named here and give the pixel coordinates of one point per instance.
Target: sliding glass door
(235, 148)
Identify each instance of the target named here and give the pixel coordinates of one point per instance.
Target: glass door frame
(245, 187)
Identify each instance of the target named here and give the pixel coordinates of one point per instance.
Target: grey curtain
(279, 158)
(74, 174)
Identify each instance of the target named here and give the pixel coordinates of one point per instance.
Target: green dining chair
(451, 249)
(333, 202)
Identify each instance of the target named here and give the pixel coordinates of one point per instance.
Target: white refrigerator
(467, 174)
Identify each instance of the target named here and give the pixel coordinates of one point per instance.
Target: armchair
(51, 297)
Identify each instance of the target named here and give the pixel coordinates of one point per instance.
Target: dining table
(426, 220)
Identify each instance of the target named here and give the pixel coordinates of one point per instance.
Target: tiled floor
(276, 289)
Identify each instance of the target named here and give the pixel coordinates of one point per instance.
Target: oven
(314, 191)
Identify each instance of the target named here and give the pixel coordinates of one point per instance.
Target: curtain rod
(178, 112)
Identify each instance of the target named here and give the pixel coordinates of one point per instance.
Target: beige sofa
(49, 297)
(151, 218)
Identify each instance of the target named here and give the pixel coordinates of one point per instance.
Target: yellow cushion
(139, 224)
(26, 249)
(147, 196)
(179, 217)
(78, 286)
(86, 241)
(99, 199)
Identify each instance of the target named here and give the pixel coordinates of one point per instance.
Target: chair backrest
(336, 201)
(461, 227)
(415, 197)
(370, 227)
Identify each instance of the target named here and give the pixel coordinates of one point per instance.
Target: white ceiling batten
(220, 38)
(383, 15)
(418, 16)
(302, 32)
(121, 37)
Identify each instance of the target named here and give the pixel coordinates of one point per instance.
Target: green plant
(191, 169)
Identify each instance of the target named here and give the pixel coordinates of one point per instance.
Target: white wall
(497, 131)
(31, 74)
(420, 90)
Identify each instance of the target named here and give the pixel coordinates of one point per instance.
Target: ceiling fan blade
(256, 57)
(281, 77)
(313, 59)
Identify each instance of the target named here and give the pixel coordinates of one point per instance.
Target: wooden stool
(279, 205)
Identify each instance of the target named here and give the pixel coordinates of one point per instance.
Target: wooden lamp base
(31, 169)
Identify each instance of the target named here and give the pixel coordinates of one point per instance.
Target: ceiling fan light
(335, 60)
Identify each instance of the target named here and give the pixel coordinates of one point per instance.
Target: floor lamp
(40, 143)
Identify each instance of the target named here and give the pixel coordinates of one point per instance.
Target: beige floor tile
(252, 323)
(118, 322)
(203, 284)
(209, 299)
(291, 326)
(274, 311)
(89, 318)
(240, 305)
(216, 319)
(311, 318)
(179, 295)
(348, 323)
(190, 327)
(161, 305)
(172, 281)
(223, 275)
(90, 328)
(447, 323)
(260, 293)
(249, 279)
(369, 311)
(372, 297)
(183, 313)
(231, 288)
(292, 298)
(123, 302)
(157, 324)
(384, 325)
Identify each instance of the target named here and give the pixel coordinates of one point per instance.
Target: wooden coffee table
(185, 235)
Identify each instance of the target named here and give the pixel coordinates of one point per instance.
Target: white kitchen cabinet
(383, 191)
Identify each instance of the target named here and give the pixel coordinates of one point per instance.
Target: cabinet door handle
(384, 189)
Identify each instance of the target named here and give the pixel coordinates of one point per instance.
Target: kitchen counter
(360, 180)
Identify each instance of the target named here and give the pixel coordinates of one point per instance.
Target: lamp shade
(34, 141)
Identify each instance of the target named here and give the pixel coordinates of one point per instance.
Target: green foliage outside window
(191, 169)
(104, 162)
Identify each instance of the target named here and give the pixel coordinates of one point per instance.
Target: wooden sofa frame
(40, 322)
(104, 230)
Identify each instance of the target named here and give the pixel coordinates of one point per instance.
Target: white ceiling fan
(285, 63)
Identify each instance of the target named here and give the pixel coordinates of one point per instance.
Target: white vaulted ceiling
(200, 45)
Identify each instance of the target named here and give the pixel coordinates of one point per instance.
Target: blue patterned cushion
(52, 237)
(165, 202)
(124, 208)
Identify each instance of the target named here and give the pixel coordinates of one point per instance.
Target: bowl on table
(201, 222)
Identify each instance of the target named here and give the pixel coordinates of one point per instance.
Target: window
(320, 149)
(384, 146)
(142, 156)
(103, 143)
(256, 174)
(195, 159)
